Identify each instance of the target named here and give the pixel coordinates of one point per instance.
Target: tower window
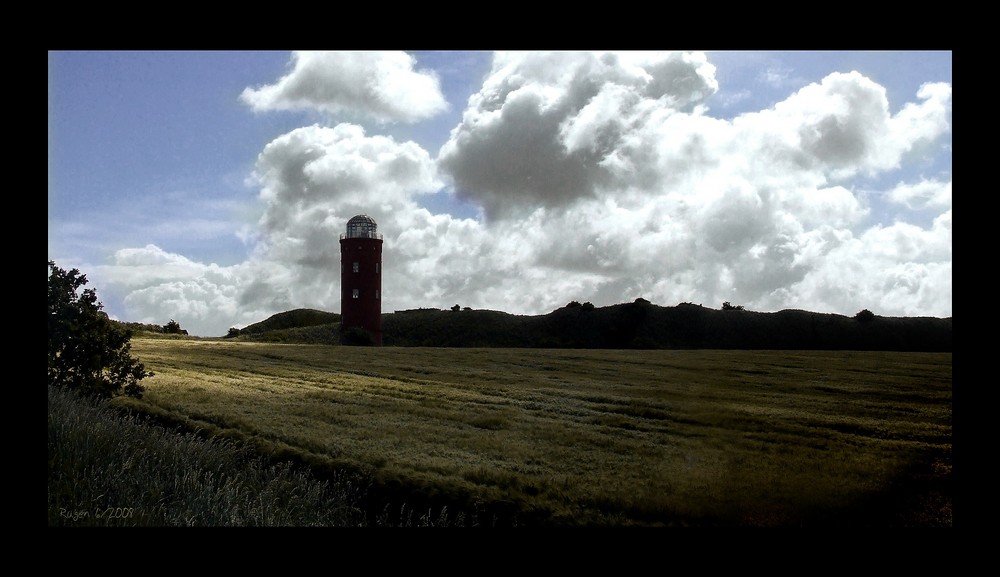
(355, 267)
(376, 294)
(354, 293)
(376, 267)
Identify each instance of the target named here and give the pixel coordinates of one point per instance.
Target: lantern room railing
(361, 234)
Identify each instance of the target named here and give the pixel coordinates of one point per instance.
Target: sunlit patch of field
(586, 436)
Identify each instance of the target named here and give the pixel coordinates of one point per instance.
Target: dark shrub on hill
(865, 316)
(143, 327)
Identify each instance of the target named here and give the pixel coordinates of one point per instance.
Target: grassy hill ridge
(292, 319)
(635, 325)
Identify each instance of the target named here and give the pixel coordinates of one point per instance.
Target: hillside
(636, 325)
(297, 318)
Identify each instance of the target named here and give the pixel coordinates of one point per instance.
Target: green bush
(88, 352)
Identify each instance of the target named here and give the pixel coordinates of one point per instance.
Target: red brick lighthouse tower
(361, 277)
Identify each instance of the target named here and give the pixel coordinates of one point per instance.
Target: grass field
(586, 437)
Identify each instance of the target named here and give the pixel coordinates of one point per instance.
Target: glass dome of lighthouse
(362, 226)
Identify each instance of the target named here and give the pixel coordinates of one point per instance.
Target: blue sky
(210, 187)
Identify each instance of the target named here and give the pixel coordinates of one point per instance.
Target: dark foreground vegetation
(113, 468)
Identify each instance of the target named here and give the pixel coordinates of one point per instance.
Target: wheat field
(586, 437)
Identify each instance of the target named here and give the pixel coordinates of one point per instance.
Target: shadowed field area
(586, 437)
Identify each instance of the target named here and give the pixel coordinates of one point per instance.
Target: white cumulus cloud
(602, 177)
(383, 86)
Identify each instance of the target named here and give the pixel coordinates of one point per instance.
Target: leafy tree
(456, 308)
(727, 306)
(587, 306)
(233, 332)
(88, 352)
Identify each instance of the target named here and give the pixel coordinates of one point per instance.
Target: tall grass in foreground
(112, 469)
